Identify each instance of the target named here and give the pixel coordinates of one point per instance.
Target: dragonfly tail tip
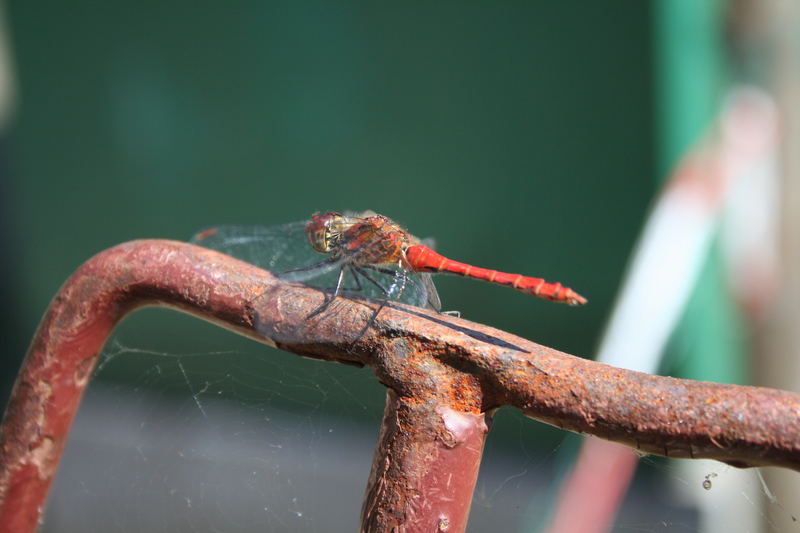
(576, 299)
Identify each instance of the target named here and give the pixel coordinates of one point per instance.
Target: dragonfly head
(324, 232)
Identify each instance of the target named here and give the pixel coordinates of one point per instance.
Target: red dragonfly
(372, 247)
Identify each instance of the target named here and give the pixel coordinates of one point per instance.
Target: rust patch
(428, 359)
(44, 390)
(84, 371)
(42, 457)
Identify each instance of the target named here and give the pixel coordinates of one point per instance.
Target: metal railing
(445, 376)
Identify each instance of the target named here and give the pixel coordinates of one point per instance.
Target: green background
(518, 134)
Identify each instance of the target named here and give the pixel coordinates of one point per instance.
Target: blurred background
(528, 136)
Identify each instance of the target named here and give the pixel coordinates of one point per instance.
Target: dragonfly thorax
(371, 239)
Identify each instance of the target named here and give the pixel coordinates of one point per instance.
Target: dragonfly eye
(318, 233)
(324, 232)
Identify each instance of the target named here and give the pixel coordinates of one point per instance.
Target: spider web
(240, 437)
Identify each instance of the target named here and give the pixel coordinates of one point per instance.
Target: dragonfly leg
(430, 291)
(372, 280)
(354, 275)
(369, 324)
(340, 280)
(339, 288)
(391, 291)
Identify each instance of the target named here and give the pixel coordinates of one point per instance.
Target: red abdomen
(423, 259)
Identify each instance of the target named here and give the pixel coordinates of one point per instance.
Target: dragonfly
(380, 256)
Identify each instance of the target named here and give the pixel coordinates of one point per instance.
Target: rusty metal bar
(425, 466)
(444, 374)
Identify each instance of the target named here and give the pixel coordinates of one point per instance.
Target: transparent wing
(275, 248)
(431, 294)
(313, 271)
(284, 250)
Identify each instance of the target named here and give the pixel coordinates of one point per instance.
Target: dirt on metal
(444, 375)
